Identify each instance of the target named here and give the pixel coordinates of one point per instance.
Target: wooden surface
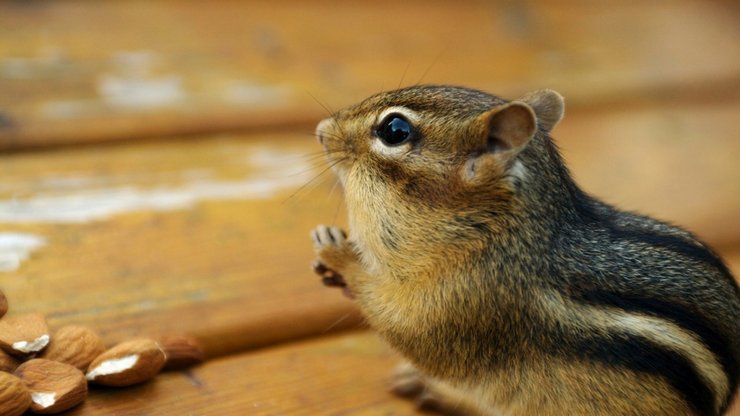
(79, 71)
(205, 232)
(201, 237)
(334, 375)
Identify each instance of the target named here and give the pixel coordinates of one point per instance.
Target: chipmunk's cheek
(341, 173)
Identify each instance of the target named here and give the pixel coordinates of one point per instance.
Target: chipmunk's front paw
(333, 252)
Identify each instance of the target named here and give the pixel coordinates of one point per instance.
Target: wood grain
(334, 375)
(194, 237)
(78, 71)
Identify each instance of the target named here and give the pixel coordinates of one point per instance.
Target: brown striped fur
(508, 289)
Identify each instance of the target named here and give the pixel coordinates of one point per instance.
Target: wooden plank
(195, 237)
(78, 71)
(338, 375)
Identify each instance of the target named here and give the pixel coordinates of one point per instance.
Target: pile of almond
(48, 373)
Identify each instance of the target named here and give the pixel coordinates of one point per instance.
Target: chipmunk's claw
(324, 236)
(328, 240)
(328, 276)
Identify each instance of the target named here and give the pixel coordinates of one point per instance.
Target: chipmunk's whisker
(313, 180)
(323, 105)
(337, 322)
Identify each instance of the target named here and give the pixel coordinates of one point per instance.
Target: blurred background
(651, 87)
(158, 171)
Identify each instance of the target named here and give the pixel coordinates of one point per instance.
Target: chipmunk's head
(436, 141)
(431, 170)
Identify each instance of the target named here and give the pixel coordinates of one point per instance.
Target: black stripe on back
(679, 315)
(588, 211)
(639, 354)
(675, 244)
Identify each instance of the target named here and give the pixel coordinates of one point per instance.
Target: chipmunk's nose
(322, 129)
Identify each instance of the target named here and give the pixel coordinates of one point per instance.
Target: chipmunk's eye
(394, 130)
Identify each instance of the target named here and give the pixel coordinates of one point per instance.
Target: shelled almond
(75, 345)
(8, 362)
(54, 386)
(52, 378)
(180, 351)
(3, 304)
(130, 362)
(14, 396)
(24, 335)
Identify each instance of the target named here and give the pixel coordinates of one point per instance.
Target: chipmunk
(509, 290)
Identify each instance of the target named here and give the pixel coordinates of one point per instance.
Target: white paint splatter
(48, 60)
(34, 346)
(138, 62)
(99, 204)
(61, 182)
(251, 93)
(140, 92)
(16, 248)
(79, 198)
(64, 109)
(44, 399)
(274, 161)
(113, 366)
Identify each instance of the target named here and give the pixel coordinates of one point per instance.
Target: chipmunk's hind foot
(427, 394)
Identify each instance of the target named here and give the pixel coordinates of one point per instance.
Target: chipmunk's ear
(508, 128)
(548, 105)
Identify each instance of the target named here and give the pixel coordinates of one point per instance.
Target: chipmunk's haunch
(509, 290)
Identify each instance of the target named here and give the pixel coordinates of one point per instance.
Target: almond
(14, 396)
(3, 304)
(8, 362)
(74, 345)
(24, 335)
(127, 363)
(54, 386)
(180, 351)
